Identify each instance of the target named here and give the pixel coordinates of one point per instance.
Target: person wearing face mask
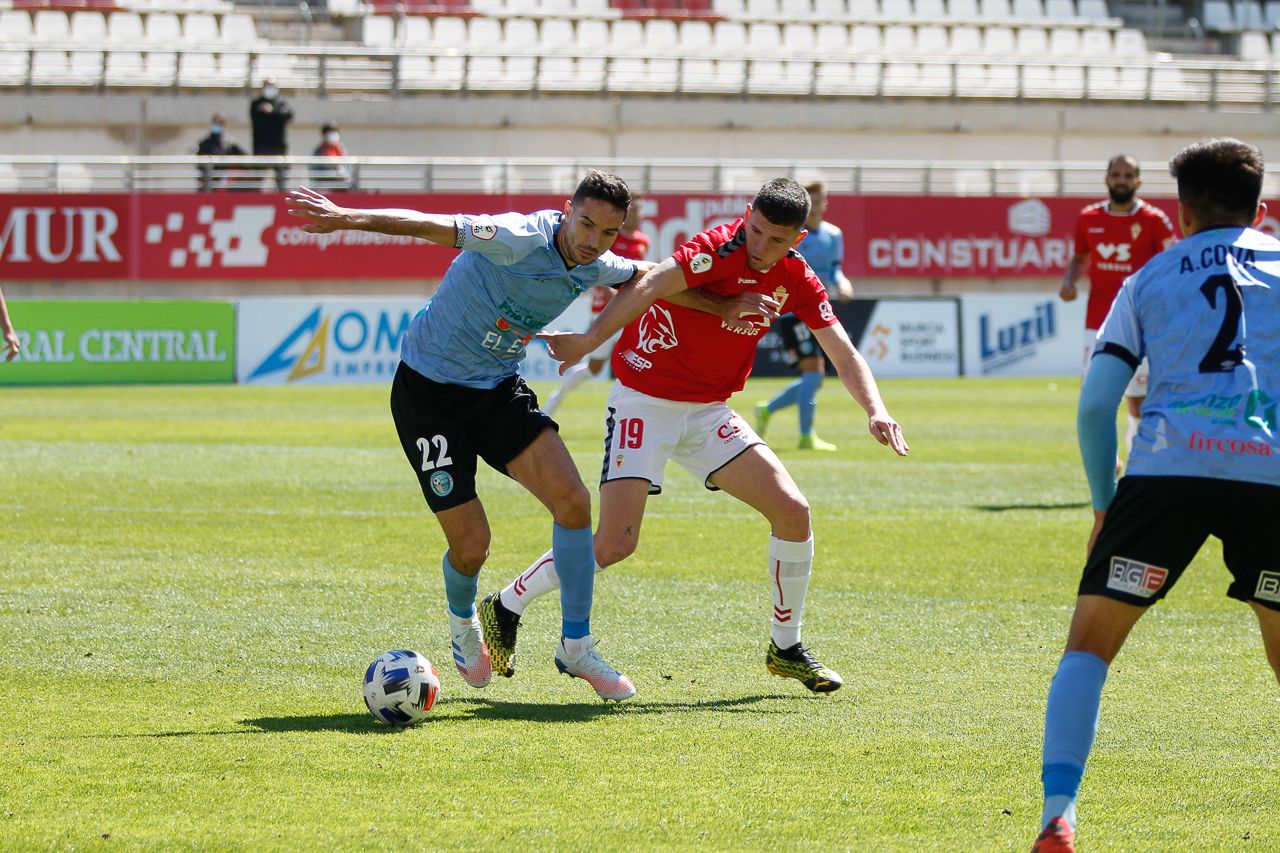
(216, 144)
(270, 115)
(334, 176)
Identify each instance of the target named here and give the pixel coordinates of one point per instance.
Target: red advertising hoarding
(251, 236)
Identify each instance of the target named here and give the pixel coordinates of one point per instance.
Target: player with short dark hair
(1114, 238)
(457, 396)
(675, 371)
(1206, 314)
(823, 249)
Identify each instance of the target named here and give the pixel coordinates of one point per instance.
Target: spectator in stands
(11, 341)
(336, 176)
(270, 115)
(216, 144)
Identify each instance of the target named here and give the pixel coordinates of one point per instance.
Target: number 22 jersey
(1206, 313)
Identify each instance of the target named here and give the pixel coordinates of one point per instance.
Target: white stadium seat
(1028, 10)
(1064, 41)
(864, 40)
(15, 27)
(1095, 43)
(1094, 10)
(1060, 10)
(832, 38)
(966, 41)
(125, 28)
(799, 39)
(1032, 41)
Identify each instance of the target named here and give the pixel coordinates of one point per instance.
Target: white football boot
(579, 659)
(470, 655)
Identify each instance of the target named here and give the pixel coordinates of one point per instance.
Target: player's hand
(13, 344)
(322, 214)
(844, 290)
(568, 348)
(1068, 292)
(749, 309)
(1098, 517)
(885, 430)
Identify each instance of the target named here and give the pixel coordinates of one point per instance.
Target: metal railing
(495, 176)
(323, 71)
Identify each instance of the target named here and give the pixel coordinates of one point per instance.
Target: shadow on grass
(1033, 507)
(463, 710)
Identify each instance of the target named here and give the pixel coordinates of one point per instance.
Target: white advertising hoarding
(1022, 335)
(347, 341)
(912, 338)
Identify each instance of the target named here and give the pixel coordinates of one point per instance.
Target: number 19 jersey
(1206, 314)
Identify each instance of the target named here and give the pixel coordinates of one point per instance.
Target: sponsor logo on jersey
(1123, 252)
(701, 263)
(633, 359)
(657, 330)
(483, 228)
(1240, 447)
(441, 483)
(1268, 587)
(1135, 578)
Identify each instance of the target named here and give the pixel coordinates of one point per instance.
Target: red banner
(251, 236)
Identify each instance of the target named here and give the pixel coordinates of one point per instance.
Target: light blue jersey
(1206, 314)
(505, 286)
(823, 250)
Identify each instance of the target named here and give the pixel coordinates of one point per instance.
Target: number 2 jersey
(1206, 314)
(677, 353)
(505, 286)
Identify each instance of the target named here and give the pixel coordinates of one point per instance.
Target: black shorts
(444, 428)
(1155, 526)
(797, 341)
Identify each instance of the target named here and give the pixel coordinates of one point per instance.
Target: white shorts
(1137, 386)
(643, 432)
(605, 351)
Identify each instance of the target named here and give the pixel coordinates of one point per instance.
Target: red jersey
(633, 246)
(1118, 244)
(677, 353)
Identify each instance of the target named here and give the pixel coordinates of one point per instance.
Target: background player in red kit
(1115, 238)
(675, 371)
(633, 244)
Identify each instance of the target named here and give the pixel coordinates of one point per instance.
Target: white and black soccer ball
(400, 687)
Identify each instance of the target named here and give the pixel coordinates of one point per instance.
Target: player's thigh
(1249, 527)
(1153, 529)
(640, 434)
(622, 505)
(432, 422)
(758, 478)
(785, 327)
(546, 469)
(808, 353)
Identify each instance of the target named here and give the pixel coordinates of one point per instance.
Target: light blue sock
(807, 400)
(460, 590)
(788, 397)
(576, 565)
(1070, 724)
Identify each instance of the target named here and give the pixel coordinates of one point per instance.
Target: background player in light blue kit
(457, 396)
(823, 249)
(1206, 314)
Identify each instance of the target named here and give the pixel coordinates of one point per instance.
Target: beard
(1120, 196)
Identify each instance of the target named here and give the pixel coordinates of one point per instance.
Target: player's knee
(469, 555)
(572, 506)
(790, 518)
(614, 549)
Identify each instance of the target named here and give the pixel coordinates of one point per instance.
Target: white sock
(573, 377)
(790, 564)
(1130, 434)
(535, 582)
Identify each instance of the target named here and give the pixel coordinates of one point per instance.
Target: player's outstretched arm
(323, 217)
(631, 300)
(856, 376)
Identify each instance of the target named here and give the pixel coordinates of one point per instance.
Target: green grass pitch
(193, 580)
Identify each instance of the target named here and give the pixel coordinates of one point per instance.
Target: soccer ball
(400, 687)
